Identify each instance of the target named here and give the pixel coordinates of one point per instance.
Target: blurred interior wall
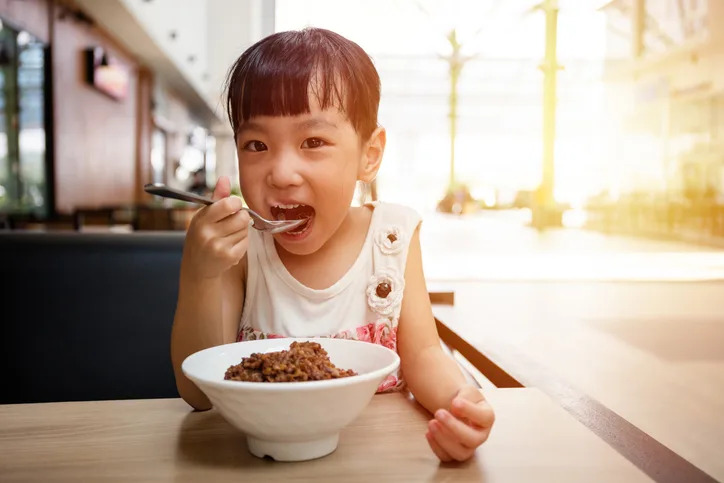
(667, 100)
(102, 147)
(99, 143)
(30, 15)
(233, 27)
(96, 137)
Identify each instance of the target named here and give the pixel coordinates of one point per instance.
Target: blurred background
(605, 115)
(567, 158)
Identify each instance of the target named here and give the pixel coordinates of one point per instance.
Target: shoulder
(394, 228)
(392, 213)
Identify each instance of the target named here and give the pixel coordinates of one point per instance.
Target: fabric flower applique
(384, 291)
(390, 240)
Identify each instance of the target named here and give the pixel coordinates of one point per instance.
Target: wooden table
(162, 440)
(657, 410)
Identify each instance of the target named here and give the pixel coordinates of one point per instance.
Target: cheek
(244, 183)
(340, 192)
(251, 173)
(250, 185)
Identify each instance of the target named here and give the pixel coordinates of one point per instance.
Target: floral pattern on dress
(390, 384)
(247, 333)
(381, 332)
(390, 240)
(384, 291)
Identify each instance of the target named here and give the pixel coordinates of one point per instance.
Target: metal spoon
(260, 223)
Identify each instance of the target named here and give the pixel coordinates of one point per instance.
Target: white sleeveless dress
(363, 305)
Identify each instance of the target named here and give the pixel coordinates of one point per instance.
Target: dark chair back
(87, 316)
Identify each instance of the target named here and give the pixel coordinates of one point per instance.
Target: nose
(285, 171)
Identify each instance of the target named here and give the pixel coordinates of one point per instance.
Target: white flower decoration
(390, 240)
(384, 291)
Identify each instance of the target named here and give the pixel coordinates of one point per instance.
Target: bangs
(271, 91)
(279, 75)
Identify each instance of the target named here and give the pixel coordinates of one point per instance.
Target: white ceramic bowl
(292, 421)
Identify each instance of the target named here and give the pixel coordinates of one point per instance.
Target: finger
(236, 244)
(219, 237)
(236, 223)
(223, 188)
(223, 208)
(228, 250)
(479, 414)
(470, 393)
(439, 452)
(233, 238)
(448, 442)
(467, 436)
(239, 250)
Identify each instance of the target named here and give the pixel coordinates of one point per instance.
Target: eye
(255, 146)
(312, 143)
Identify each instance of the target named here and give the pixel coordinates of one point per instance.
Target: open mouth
(294, 212)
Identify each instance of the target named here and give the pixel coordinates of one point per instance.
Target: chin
(298, 250)
(305, 242)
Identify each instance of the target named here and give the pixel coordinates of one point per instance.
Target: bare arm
(207, 315)
(462, 417)
(433, 377)
(211, 285)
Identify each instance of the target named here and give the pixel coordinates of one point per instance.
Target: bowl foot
(293, 451)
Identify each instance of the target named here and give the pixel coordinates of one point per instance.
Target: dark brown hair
(273, 78)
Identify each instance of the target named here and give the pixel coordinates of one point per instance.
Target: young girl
(303, 109)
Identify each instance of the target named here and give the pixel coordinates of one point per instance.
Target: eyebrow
(306, 124)
(315, 122)
(250, 126)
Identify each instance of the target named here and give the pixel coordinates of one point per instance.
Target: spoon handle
(163, 190)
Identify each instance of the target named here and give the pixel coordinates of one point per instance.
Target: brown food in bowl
(304, 361)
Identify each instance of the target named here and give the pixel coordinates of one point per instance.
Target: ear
(372, 152)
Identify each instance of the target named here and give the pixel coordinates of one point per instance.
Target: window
(158, 156)
(23, 167)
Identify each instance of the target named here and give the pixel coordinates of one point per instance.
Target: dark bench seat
(88, 316)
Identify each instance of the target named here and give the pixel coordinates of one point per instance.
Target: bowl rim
(295, 386)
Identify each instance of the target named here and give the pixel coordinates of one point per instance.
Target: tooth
(281, 217)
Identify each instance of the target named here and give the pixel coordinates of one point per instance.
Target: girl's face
(304, 166)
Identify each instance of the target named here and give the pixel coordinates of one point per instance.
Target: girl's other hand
(217, 236)
(454, 435)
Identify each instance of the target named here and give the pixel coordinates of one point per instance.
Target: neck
(337, 255)
(341, 236)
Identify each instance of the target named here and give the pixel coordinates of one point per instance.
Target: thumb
(223, 188)
(471, 393)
